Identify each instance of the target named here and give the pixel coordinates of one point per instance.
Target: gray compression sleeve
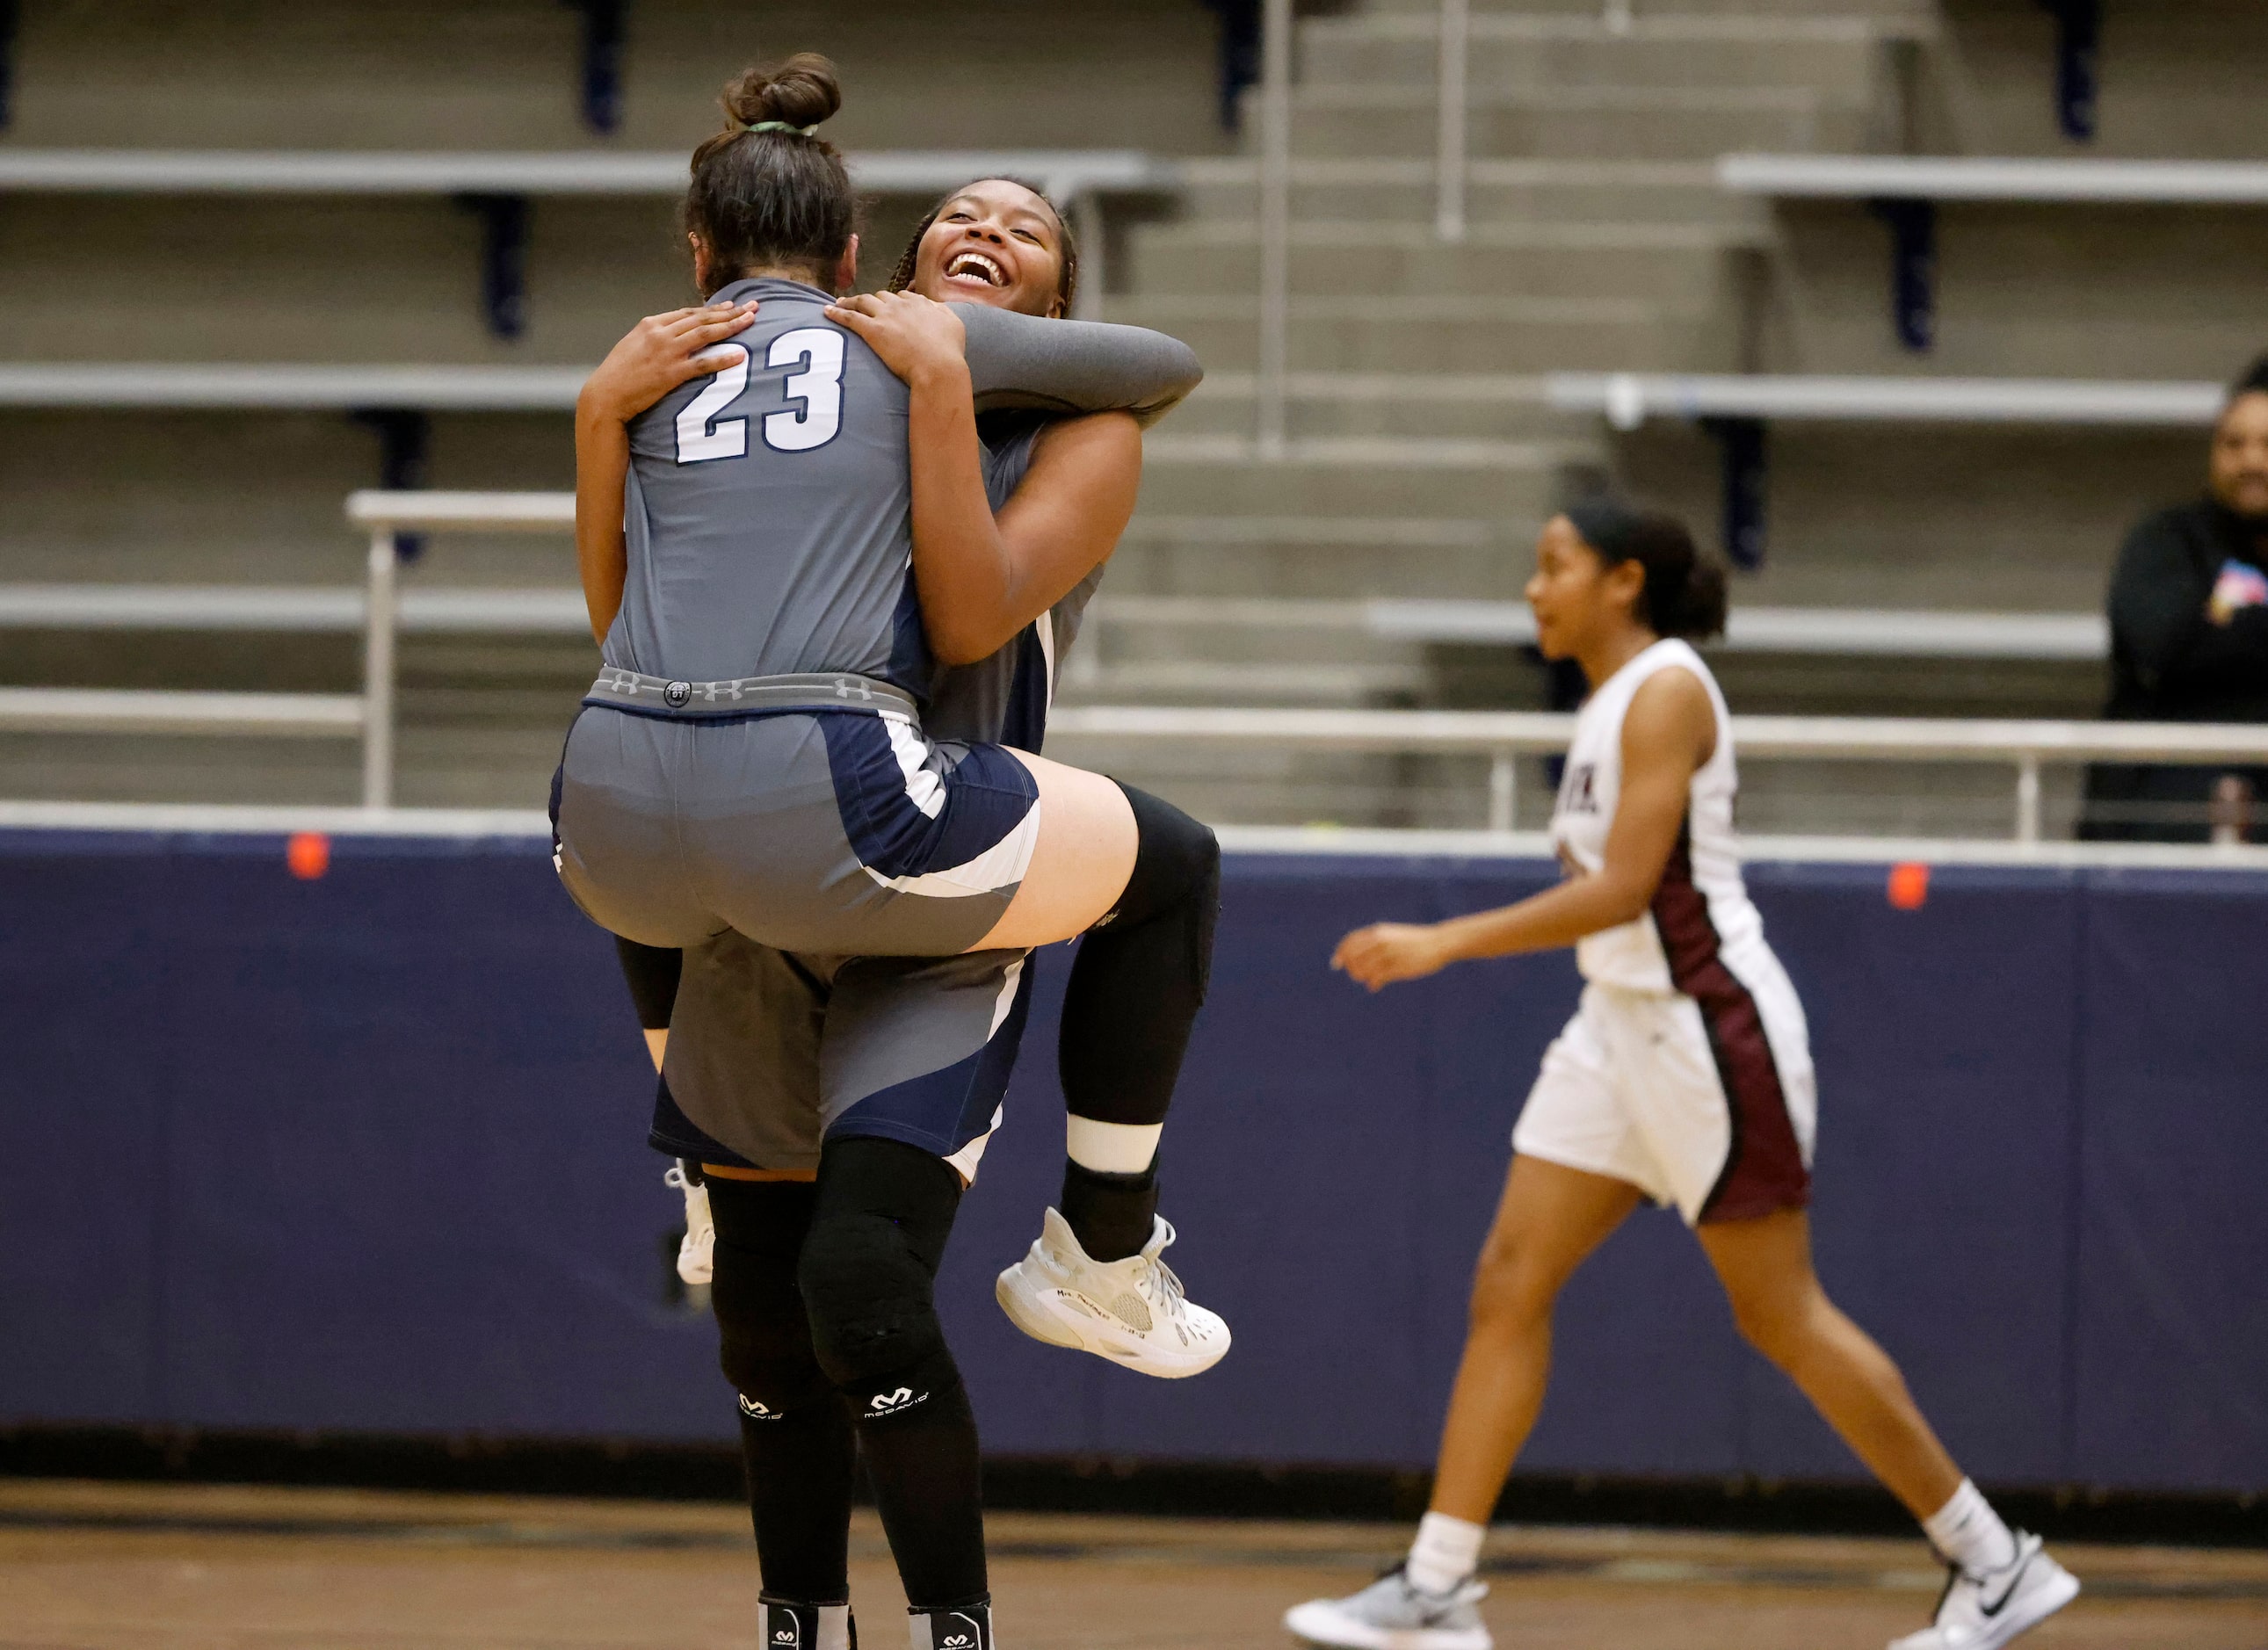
(1074, 366)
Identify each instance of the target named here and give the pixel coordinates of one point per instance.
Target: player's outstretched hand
(661, 352)
(914, 337)
(1384, 952)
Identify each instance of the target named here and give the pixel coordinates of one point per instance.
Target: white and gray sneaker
(1130, 1311)
(1394, 1613)
(697, 1250)
(1983, 1612)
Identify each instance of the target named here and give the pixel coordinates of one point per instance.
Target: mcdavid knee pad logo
(756, 1411)
(953, 1629)
(891, 1403)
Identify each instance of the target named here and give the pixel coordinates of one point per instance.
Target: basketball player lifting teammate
(1685, 1077)
(749, 1016)
(802, 803)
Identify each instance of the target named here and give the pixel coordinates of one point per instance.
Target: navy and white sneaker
(1983, 1612)
(1394, 1613)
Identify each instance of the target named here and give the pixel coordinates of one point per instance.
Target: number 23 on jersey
(814, 393)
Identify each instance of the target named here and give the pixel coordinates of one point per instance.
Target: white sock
(1111, 1148)
(1447, 1551)
(1970, 1533)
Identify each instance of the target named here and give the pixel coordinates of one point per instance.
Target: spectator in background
(2189, 639)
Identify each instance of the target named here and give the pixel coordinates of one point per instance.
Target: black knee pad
(1141, 973)
(1176, 874)
(651, 973)
(867, 1272)
(763, 1336)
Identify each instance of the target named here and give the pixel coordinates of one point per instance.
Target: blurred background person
(2188, 639)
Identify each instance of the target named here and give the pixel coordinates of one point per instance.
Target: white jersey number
(819, 386)
(700, 436)
(704, 433)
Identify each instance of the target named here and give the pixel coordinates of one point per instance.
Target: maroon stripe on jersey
(1764, 1170)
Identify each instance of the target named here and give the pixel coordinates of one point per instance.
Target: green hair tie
(781, 126)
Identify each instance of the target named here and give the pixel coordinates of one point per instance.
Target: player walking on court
(1685, 1077)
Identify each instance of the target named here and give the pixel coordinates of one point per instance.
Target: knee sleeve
(883, 1212)
(652, 974)
(763, 1335)
(1141, 973)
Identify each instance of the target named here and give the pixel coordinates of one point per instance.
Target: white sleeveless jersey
(1701, 912)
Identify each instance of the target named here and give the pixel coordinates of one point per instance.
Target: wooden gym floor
(107, 1566)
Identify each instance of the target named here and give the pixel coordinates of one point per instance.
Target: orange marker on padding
(1910, 885)
(308, 855)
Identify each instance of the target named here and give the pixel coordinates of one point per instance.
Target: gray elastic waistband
(658, 696)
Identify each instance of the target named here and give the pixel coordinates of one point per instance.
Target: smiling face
(2239, 456)
(1579, 600)
(997, 243)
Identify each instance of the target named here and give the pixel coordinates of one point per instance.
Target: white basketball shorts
(1705, 1103)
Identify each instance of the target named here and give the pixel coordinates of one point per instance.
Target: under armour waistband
(745, 696)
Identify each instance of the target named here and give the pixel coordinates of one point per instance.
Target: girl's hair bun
(801, 92)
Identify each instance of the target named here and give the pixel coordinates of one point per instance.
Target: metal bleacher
(1437, 210)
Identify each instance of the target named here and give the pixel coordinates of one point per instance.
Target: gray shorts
(809, 824)
(772, 1054)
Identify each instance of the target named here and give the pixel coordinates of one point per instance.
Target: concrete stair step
(1446, 333)
(1576, 122)
(1906, 14)
(1389, 189)
(1372, 476)
(1664, 263)
(1839, 56)
(1332, 405)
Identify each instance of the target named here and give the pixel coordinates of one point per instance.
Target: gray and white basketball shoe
(1984, 1612)
(1130, 1311)
(1394, 1613)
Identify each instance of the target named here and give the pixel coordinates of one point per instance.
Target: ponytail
(1684, 595)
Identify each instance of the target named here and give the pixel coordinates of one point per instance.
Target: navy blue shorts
(771, 1055)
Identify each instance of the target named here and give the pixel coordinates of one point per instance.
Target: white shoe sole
(1042, 1313)
(1322, 1622)
(2024, 1612)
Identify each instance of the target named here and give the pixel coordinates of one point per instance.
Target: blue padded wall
(365, 1152)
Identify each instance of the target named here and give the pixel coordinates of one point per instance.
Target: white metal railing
(1275, 204)
(1503, 736)
(1449, 137)
(388, 516)
(1499, 736)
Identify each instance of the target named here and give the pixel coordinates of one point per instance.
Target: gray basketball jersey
(767, 516)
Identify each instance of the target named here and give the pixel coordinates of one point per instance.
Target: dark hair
(1684, 592)
(2252, 381)
(1067, 244)
(777, 198)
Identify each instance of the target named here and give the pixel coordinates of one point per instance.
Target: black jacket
(2169, 661)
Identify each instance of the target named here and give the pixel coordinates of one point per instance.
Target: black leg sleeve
(1132, 999)
(796, 1438)
(1141, 973)
(883, 1212)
